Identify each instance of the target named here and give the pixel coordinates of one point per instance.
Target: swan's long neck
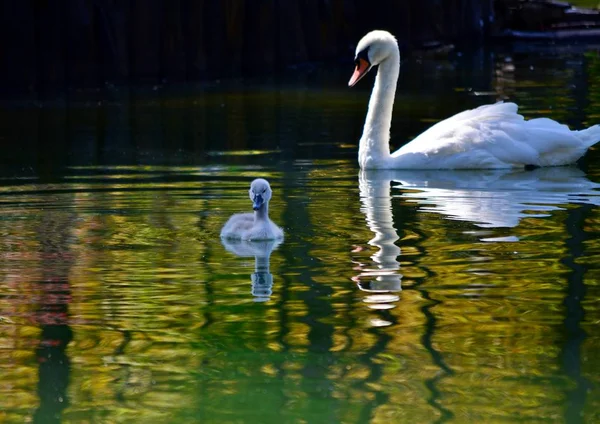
(262, 214)
(374, 147)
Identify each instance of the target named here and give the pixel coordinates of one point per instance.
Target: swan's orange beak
(362, 67)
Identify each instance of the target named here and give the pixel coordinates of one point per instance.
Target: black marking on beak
(364, 55)
(363, 66)
(257, 202)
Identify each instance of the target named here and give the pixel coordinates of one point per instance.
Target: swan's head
(372, 49)
(260, 193)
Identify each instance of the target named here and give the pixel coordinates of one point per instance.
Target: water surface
(439, 296)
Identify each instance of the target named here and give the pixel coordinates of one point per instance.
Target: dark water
(395, 296)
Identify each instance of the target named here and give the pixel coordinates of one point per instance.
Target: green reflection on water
(380, 307)
(422, 297)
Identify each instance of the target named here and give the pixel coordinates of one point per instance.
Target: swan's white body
(254, 226)
(490, 136)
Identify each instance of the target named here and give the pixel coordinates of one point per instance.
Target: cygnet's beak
(257, 202)
(362, 67)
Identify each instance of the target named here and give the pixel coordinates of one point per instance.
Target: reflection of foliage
(593, 84)
(592, 4)
(165, 328)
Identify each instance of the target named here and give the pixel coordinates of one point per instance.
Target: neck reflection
(52, 316)
(382, 279)
(261, 278)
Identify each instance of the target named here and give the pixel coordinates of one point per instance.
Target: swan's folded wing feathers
(458, 128)
(495, 110)
(496, 135)
(547, 123)
(590, 136)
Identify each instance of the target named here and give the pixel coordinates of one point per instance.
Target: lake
(396, 296)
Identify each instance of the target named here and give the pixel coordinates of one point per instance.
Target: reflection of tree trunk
(211, 297)
(427, 341)
(429, 332)
(376, 368)
(316, 298)
(52, 317)
(436, 356)
(574, 315)
(580, 90)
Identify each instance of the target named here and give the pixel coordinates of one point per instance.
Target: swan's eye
(364, 55)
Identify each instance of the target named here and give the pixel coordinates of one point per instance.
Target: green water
(395, 296)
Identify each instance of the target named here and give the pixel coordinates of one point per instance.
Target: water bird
(254, 226)
(487, 137)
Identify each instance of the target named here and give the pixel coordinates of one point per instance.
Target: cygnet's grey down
(257, 225)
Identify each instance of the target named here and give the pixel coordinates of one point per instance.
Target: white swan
(490, 136)
(257, 225)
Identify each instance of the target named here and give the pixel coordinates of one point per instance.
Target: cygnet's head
(260, 193)
(372, 49)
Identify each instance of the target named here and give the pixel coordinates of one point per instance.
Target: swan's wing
(495, 136)
(472, 118)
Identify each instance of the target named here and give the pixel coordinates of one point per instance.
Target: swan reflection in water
(262, 279)
(486, 198)
(383, 281)
(496, 198)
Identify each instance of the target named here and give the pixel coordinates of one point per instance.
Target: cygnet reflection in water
(261, 278)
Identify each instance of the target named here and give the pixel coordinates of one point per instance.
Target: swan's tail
(590, 136)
